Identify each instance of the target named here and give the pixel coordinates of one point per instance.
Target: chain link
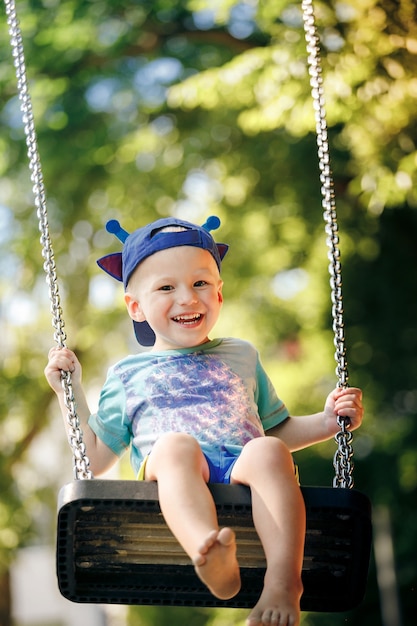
(80, 461)
(342, 462)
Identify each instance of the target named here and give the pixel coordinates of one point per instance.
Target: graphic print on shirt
(195, 393)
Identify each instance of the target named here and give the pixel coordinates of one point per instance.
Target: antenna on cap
(212, 223)
(113, 227)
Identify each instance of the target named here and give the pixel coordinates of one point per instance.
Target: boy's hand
(345, 403)
(62, 359)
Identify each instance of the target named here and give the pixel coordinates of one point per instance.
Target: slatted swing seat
(113, 545)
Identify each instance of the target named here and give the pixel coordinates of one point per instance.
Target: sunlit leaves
(367, 75)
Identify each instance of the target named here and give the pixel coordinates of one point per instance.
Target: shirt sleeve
(272, 409)
(110, 423)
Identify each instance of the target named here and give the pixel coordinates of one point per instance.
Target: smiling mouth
(187, 320)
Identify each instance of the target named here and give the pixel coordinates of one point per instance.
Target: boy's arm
(62, 359)
(301, 432)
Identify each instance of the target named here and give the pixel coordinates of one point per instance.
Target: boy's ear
(220, 292)
(133, 308)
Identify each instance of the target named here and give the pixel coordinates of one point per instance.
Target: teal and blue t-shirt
(217, 392)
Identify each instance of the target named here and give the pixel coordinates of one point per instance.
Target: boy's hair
(165, 233)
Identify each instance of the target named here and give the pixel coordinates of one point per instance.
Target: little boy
(194, 410)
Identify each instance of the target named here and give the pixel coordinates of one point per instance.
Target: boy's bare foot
(216, 564)
(276, 606)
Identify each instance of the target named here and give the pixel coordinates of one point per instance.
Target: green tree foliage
(144, 109)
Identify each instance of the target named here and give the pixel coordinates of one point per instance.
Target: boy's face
(178, 291)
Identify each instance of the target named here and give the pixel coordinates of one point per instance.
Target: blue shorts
(221, 461)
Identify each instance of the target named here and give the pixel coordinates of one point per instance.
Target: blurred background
(149, 108)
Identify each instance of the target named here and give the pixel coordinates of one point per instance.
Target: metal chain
(80, 461)
(343, 458)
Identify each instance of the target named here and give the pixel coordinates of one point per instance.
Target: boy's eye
(200, 283)
(165, 288)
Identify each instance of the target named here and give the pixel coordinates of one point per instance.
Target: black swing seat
(114, 547)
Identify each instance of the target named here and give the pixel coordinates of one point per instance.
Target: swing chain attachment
(80, 461)
(343, 458)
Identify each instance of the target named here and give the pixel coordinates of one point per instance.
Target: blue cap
(145, 241)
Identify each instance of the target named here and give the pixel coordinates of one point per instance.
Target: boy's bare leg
(180, 468)
(278, 508)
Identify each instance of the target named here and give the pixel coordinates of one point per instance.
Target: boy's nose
(186, 295)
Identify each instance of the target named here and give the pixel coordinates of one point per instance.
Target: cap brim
(144, 333)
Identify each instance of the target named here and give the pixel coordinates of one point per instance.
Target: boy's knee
(175, 448)
(269, 451)
(175, 440)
